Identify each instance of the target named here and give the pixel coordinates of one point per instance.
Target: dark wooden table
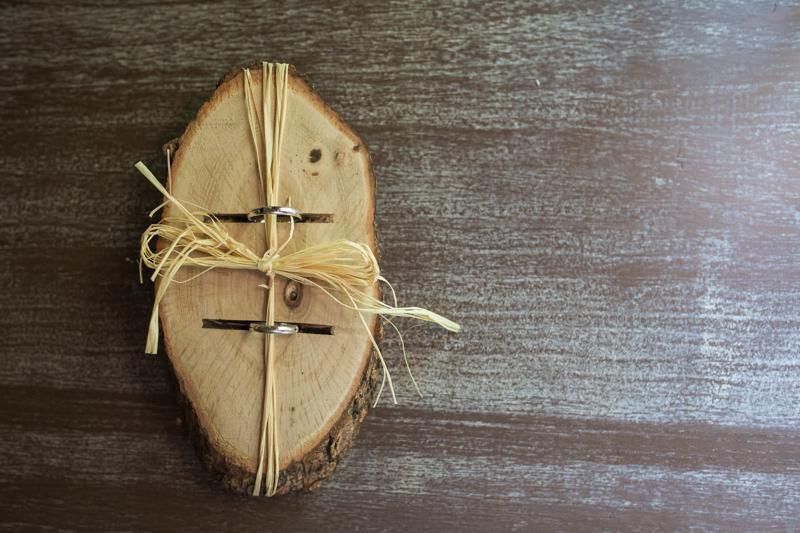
(606, 196)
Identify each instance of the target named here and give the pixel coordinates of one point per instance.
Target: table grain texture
(606, 195)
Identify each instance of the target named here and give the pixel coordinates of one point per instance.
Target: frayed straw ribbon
(344, 270)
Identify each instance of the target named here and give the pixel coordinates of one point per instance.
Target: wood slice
(324, 383)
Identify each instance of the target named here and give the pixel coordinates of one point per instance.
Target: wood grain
(604, 194)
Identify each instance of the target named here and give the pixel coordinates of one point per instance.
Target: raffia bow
(343, 269)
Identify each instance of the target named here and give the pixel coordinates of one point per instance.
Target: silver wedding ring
(275, 329)
(259, 214)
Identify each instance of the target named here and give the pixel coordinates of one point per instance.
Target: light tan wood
(325, 169)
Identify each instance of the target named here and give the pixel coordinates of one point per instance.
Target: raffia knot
(265, 263)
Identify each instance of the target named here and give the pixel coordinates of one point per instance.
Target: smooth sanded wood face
(325, 169)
